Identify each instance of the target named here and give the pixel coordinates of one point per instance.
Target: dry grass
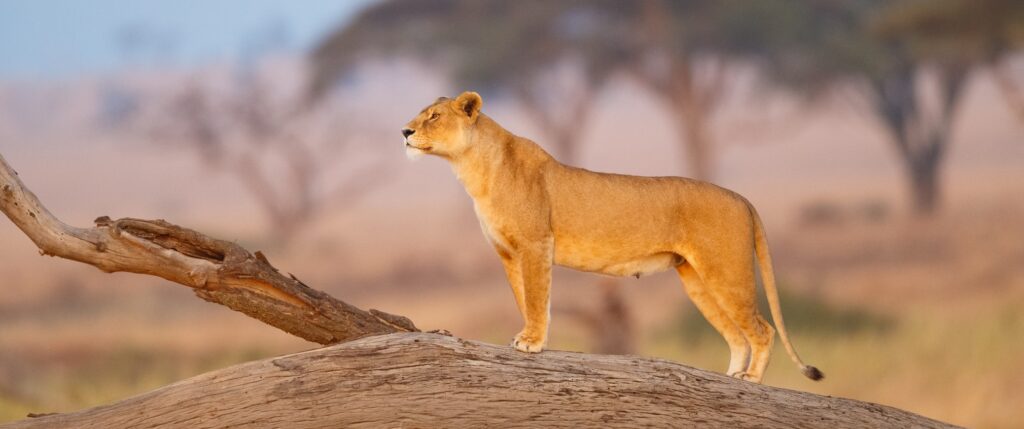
(961, 368)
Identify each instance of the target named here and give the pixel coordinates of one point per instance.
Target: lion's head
(442, 127)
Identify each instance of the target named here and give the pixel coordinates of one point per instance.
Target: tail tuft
(812, 373)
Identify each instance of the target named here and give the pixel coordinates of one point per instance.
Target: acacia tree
(550, 57)
(871, 52)
(986, 32)
(684, 52)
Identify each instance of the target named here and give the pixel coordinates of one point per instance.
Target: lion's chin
(413, 153)
(416, 152)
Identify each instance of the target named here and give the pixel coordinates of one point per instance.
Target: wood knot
(199, 279)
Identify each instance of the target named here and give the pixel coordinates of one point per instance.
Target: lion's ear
(470, 103)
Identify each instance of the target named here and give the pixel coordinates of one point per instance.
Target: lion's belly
(615, 262)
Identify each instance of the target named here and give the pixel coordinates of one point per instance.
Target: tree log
(418, 380)
(218, 271)
(402, 379)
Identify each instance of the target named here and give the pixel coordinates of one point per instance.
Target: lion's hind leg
(705, 301)
(762, 352)
(734, 289)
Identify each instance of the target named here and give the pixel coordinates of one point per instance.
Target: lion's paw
(742, 375)
(528, 343)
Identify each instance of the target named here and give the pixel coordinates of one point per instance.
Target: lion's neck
(492, 153)
(479, 165)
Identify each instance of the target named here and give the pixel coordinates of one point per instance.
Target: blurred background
(882, 142)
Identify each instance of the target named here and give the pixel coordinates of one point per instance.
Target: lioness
(537, 212)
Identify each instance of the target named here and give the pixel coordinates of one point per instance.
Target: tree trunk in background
(1010, 87)
(614, 333)
(921, 139)
(691, 105)
(924, 182)
(563, 124)
(695, 140)
(565, 144)
(426, 380)
(675, 77)
(609, 325)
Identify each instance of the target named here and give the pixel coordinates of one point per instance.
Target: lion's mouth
(424, 148)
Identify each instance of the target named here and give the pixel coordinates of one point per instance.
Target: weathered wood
(218, 271)
(418, 380)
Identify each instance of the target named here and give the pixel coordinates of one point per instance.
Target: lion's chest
(494, 231)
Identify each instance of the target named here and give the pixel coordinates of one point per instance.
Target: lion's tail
(764, 260)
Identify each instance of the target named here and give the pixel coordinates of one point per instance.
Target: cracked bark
(384, 373)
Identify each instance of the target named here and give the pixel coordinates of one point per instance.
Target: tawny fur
(537, 212)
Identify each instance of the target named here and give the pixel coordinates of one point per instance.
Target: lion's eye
(435, 116)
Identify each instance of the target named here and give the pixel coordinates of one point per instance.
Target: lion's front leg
(535, 262)
(514, 273)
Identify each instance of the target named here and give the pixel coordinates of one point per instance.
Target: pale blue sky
(62, 38)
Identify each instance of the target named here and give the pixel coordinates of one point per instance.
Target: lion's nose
(406, 132)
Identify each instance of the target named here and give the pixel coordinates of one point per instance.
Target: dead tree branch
(218, 271)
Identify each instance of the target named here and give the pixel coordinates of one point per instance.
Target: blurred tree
(284, 156)
(610, 325)
(551, 57)
(907, 62)
(890, 57)
(684, 51)
(987, 32)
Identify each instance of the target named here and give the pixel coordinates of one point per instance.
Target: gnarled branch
(218, 271)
